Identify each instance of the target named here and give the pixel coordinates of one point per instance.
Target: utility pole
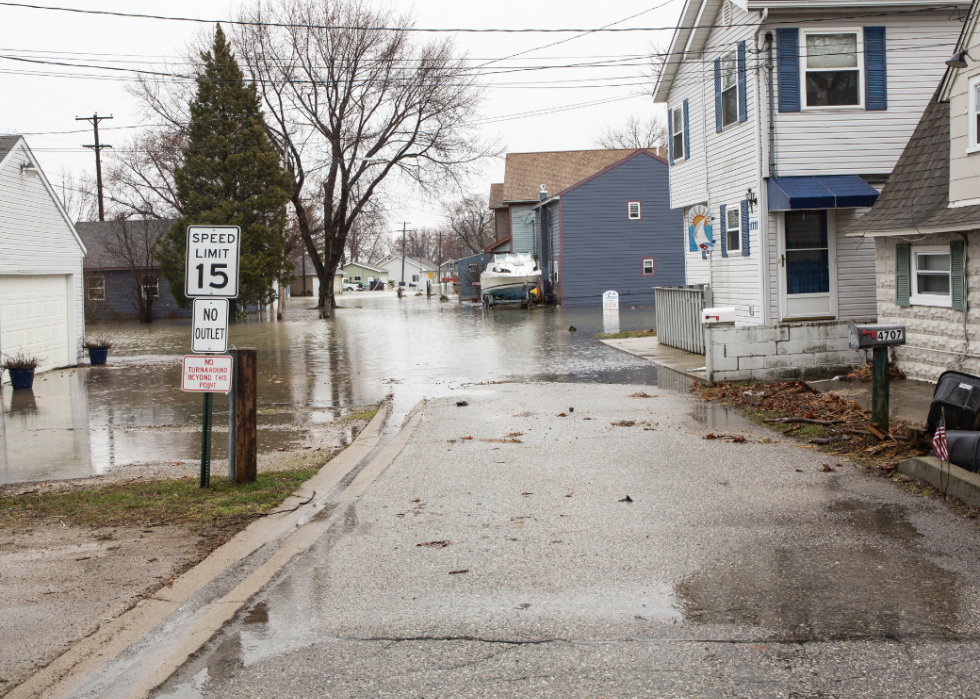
(95, 119)
(440, 256)
(404, 231)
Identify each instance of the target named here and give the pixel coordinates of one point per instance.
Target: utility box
(873, 336)
(713, 316)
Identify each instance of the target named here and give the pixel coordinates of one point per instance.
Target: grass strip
(176, 502)
(624, 335)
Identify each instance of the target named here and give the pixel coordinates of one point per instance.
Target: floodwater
(90, 420)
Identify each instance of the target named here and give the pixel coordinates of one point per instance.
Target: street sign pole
(206, 441)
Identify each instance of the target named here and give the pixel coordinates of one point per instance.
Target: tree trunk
(282, 302)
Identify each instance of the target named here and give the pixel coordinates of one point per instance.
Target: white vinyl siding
(835, 140)
(37, 242)
(964, 161)
(855, 269)
(522, 228)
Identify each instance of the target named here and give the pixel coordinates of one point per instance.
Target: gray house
(613, 230)
(122, 278)
(468, 270)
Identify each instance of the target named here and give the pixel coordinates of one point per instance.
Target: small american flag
(939, 440)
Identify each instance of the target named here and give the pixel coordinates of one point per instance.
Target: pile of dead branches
(791, 406)
(864, 373)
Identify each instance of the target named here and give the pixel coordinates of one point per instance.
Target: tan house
(926, 226)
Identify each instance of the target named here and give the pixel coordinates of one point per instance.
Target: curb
(137, 651)
(958, 482)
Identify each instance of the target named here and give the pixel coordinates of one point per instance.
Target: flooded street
(91, 420)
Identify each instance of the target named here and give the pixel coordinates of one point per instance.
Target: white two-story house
(925, 227)
(786, 119)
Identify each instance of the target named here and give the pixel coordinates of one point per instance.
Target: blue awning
(824, 192)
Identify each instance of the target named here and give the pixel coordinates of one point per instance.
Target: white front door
(807, 265)
(35, 318)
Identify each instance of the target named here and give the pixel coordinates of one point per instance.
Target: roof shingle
(524, 173)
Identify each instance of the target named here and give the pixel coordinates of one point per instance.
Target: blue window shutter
(956, 266)
(788, 68)
(670, 134)
(903, 276)
(717, 95)
(875, 71)
(743, 97)
(745, 227)
(724, 231)
(687, 130)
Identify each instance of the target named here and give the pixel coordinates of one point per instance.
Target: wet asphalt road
(735, 570)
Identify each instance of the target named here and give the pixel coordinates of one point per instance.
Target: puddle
(844, 582)
(90, 420)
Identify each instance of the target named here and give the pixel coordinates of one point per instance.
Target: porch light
(28, 169)
(958, 60)
(752, 199)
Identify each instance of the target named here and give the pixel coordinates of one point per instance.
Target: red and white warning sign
(206, 374)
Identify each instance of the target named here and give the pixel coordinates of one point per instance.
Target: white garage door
(34, 317)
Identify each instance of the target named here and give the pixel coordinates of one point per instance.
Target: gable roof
(644, 152)
(915, 199)
(421, 264)
(8, 144)
(524, 173)
(497, 195)
(102, 238)
(364, 265)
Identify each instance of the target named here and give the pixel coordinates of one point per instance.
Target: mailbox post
(878, 338)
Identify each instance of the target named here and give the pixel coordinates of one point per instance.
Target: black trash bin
(957, 397)
(964, 449)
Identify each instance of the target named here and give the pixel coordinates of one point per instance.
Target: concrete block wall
(936, 336)
(784, 351)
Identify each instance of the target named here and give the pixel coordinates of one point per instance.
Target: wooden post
(232, 429)
(246, 384)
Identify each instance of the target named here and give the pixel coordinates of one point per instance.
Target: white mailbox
(710, 316)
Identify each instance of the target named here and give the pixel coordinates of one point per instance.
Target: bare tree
(348, 97)
(635, 133)
(77, 196)
(366, 238)
(139, 177)
(134, 242)
(471, 222)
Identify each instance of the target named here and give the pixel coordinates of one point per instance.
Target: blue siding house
(613, 230)
(469, 270)
(122, 278)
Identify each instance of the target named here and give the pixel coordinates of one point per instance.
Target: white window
(733, 230)
(729, 90)
(649, 267)
(96, 287)
(633, 211)
(973, 142)
(833, 65)
(415, 277)
(930, 276)
(678, 135)
(151, 288)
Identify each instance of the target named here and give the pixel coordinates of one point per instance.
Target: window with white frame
(649, 267)
(930, 283)
(833, 64)
(96, 287)
(729, 90)
(633, 211)
(678, 135)
(973, 142)
(151, 288)
(733, 231)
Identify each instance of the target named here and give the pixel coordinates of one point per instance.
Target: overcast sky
(42, 99)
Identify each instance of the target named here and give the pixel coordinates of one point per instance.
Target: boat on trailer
(509, 278)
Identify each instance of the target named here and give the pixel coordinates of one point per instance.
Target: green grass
(624, 335)
(364, 414)
(147, 503)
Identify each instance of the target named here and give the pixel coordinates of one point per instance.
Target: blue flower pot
(21, 378)
(97, 355)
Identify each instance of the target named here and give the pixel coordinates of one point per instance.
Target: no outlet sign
(210, 331)
(212, 261)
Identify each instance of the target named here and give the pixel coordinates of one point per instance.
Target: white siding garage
(34, 317)
(41, 302)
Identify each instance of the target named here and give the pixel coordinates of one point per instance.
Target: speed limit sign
(212, 261)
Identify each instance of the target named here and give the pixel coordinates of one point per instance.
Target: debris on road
(626, 499)
(457, 572)
(436, 544)
(641, 394)
(461, 404)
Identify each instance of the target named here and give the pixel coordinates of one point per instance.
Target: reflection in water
(92, 419)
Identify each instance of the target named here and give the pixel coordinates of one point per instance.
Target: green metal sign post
(879, 388)
(206, 441)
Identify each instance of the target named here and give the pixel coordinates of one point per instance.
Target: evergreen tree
(231, 176)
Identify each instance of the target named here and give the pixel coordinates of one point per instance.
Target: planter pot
(21, 378)
(97, 355)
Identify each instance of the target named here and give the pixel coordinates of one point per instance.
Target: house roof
(103, 239)
(421, 264)
(7, 144)
(916, 196)
(524, 173)
(364, 265)
(497, 195)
